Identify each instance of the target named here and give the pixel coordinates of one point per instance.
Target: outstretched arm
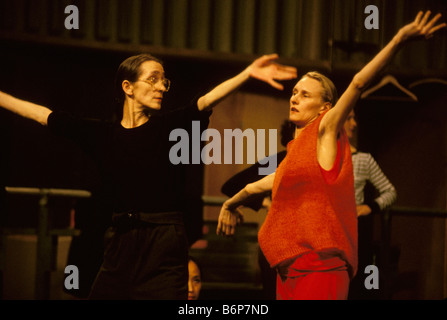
(230, 215)
(420, 27)
(264, 69)
(24, 108)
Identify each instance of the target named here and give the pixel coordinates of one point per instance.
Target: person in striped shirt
(366, 170)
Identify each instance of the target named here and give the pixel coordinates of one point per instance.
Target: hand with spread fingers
(266, 69)
(421, 26)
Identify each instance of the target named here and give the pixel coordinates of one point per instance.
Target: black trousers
(145, 257)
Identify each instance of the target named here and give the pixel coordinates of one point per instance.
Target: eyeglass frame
(166, 82)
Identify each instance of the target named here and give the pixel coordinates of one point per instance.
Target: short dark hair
(194, 259)
(129, 70)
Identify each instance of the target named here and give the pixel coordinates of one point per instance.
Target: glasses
(154, 80)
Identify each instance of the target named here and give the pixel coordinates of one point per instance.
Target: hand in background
(363, 210)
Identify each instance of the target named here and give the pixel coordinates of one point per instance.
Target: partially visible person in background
(367, 172)
(195, 279)
(249, 175)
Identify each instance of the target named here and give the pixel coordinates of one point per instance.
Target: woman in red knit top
(310, 233)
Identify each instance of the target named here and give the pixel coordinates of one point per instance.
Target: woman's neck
(134, 116)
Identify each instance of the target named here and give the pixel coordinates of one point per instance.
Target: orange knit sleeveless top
(308, 213)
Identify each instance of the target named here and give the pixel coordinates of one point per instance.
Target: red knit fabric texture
(308, 213)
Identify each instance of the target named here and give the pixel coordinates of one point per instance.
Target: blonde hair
(329, 91)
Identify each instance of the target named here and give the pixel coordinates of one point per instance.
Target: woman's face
(306, 102)
(194, 282)
(350, 125)
(148, 90)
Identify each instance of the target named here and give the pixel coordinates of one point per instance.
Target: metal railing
(46, 239)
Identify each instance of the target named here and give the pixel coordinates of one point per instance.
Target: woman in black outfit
(146, 247)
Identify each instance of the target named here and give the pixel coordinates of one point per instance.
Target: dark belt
(134, 218)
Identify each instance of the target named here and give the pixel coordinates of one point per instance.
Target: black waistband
(172, 217)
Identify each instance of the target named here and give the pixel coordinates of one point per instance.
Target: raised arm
(230, 215)
(263, 68)
(25, 109)
(420, 27)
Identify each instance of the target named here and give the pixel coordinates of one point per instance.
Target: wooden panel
(245, 25)
(314, 32)
(266, 27)
(177, 23)
(199, 24)
(289, 28)
(222, 25)
(86, 20)
(11, 15)
(56, 17)
(128, 21)
(36, 16)
(106, 19)
(152, 22)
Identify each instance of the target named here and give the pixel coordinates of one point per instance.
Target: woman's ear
(127, 87)
(324, 107)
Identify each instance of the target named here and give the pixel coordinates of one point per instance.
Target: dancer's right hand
(228, 220)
